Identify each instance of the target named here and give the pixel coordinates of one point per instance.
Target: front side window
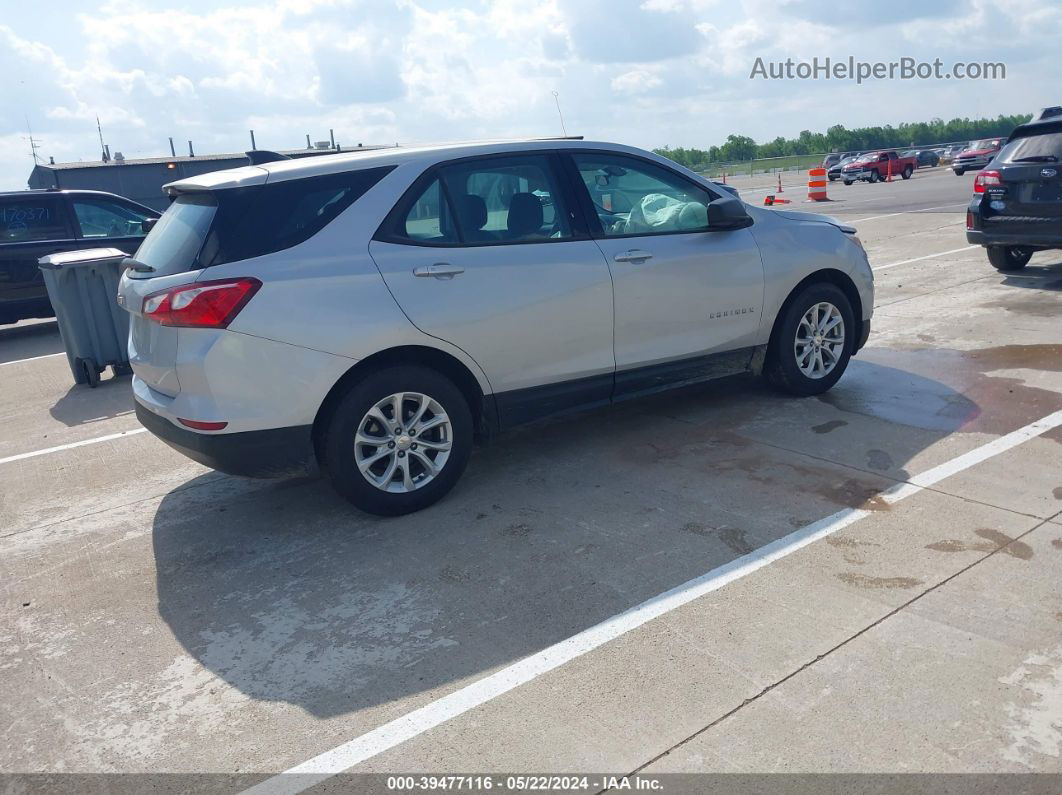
(633, 197)
(28, 220)
(106, 218)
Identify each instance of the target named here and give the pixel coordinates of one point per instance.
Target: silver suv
(373, 313)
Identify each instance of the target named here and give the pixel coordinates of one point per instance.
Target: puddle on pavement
(942, 389)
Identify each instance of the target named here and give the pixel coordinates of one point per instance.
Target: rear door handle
(440, 270)
(634, 255)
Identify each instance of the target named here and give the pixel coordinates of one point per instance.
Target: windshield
(987, 143)
(173, 244)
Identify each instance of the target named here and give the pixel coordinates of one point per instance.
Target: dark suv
(34, 223)
(1017, 205)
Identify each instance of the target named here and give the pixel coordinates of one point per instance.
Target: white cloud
(647, 72)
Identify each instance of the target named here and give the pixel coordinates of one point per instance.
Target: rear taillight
(969, 220)
(985, 178)
(211, 304)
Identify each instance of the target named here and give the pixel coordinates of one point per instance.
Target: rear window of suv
(211, 228)
(1045, 148)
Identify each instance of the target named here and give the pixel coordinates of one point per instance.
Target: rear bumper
(1036, 238)
(276, 452)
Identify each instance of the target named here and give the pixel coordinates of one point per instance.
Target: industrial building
(142, 179)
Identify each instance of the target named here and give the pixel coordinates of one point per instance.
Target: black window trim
(386, 232)
(59, 203)
(587, 206)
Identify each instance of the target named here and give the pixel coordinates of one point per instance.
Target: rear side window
(1034, 149)
(428, 219)
(254, 221)
(174, 243)
(24, 220)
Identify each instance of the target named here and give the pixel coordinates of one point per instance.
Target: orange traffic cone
(782, 201)
(768, 200)
(724, 177)
(888, 177)
(780, 183)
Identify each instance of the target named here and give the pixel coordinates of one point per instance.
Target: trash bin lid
(65, 259)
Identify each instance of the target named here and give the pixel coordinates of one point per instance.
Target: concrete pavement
(161, 617)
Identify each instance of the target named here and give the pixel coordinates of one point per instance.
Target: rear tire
(1009, 258)
(907, 171)
(959, 171)
(792, 336)
(396, 476)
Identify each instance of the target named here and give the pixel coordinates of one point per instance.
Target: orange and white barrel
(817, 185)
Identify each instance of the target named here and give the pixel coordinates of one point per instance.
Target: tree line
(839, 139)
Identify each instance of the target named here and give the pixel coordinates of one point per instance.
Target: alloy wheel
(403, 442)
(819, 340)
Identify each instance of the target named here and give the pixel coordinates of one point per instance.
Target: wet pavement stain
(735, 540)
(993, 540)
(847, 542)
(855, 494)
(879, 460)
(517, 530)
(1056, 543)
(944, 389)
(826, 427)
(1057, 491)
(866, 581)
(1040, 305)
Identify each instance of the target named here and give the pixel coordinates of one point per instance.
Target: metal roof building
(142, 179)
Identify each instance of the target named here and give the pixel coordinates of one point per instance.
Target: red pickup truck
(876, 166)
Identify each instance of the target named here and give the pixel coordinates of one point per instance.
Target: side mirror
(147, 224)
(726, 213)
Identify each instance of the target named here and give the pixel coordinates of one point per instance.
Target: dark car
(1017, 204)
(925, 158)
(34, 223)
(834, 171)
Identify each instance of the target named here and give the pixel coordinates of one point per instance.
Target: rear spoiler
(258, 156)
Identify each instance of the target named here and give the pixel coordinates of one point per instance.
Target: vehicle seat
(525, 216)
(472, 217)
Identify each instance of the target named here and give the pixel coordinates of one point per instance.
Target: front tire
(812, 341)
(874, 177)
(959, 171)
(398, 441)
(1009, 258)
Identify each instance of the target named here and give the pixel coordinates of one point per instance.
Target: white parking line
(356, 751)
(71, 446)
(906, 212)
(32, 358)
(919, 259)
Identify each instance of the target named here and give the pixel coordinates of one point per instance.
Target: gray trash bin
(83, 289)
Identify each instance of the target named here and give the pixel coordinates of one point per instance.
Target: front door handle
(634, 255)
(440, 270)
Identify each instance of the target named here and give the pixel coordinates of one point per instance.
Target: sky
(643, 72)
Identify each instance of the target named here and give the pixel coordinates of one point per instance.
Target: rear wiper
(1036, 159)
(136, 265)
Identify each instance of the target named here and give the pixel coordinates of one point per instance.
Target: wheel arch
(484, 415)
(838, 278)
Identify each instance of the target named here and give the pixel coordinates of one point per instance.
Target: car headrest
(472, 211)
(525, 214)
